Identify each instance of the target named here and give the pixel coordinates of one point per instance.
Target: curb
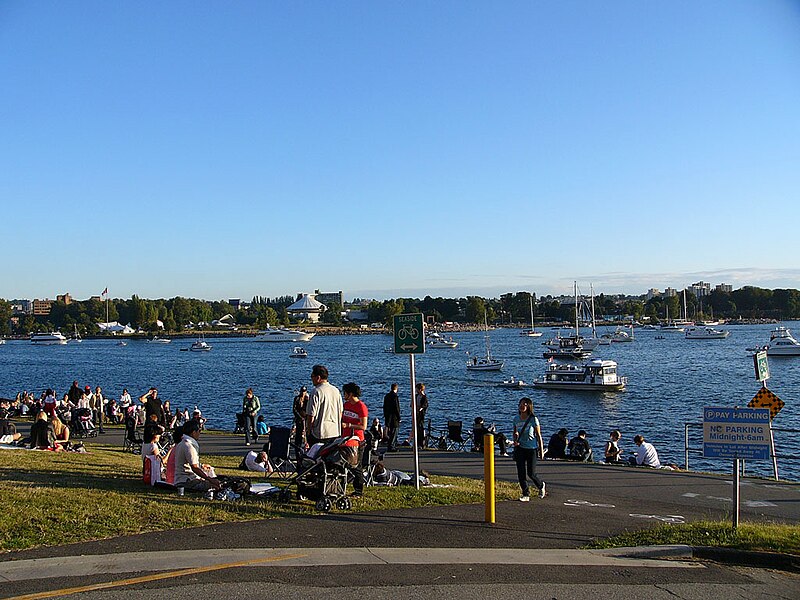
(749, 558)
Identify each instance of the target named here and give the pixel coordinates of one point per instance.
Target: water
(670, 380)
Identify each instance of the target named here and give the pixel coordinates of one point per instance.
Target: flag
(105, 292)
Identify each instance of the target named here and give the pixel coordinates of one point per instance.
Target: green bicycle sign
(409, 336)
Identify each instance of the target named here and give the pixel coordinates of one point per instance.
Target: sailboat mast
(486, 330)
(577, 327)
(594, 324)
(533, 325)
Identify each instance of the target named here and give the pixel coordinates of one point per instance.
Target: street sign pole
(414, 424)
(735, 493)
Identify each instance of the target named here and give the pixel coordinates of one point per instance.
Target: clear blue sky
(223, 150)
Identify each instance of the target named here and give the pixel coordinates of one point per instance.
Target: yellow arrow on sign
(766, 399)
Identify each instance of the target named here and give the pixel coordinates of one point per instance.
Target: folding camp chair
(278, 448)
(456, 440)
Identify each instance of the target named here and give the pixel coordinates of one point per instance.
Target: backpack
(238, 485)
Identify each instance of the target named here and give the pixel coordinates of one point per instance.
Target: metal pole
(417, 442)
(772, 451)
(686, 445)
(735, 493)
(488, 477)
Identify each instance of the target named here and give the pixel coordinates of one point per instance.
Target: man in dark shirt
(391, 417)
(557, 446)
(74, 394)
(579, 448)
(152, 406)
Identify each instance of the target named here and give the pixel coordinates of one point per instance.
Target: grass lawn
(54, 498)
(748, 536)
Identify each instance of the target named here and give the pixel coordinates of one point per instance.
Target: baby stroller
(81, 424)
(132, 441)
(323, 472)
(241, 423)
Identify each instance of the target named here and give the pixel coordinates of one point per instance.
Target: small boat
(54, 338)
(298, 352)
(437, 341)
(2, 341)
(595, 375)
(389, 350)
(706, 333)
(783, 343)
(568, 348)
(122, 343)
(158, 340)
(272, 334)
(201, 345)
(606, 339)
(512, 384)
(620, 335)
(76, 337)
(488, 363)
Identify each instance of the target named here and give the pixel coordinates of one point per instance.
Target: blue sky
(223, 150)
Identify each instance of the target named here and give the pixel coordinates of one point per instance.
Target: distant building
(670, 292)
(306, 308)
(700, 289)
(653, 293)
(328, 298)
(357, 315)
(235, 302)
(723, 287)
(41, 308)
(65, 298)
(21, 307)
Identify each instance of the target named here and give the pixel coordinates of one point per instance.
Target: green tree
(5, 317)
(333, 314)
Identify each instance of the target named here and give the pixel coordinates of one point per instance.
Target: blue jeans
(526, 468)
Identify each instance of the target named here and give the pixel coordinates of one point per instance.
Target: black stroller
(323, 472)
(81, 424)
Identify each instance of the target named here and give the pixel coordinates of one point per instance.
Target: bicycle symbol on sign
(408, 331)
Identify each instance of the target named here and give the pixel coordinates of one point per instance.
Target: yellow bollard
(488, 476)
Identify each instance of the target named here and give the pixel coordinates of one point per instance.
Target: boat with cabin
(594, 376)
(53, 338)
(200, 345)
(782, 343)
(279, 334)
(436, 340)
(158, 340)
(706, 333)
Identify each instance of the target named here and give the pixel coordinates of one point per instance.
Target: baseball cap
(88, 388)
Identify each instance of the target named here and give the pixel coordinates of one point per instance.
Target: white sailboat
(532, 331)
(76, 337)
(488, 363)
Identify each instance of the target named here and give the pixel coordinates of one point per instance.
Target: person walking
(324, 411)
(422, 408)
(528, 448)
(391, 417)
(250, 407)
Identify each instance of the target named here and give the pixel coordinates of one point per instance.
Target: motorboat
(158, 340)
(200, 346)
(512, 384)
(488, 363)
(279, 334)
(593, 376)
(53, 338)
(298, 352)
(532, 331)
(706, 333)
(436, 340)
(782, 343)
(568, 348)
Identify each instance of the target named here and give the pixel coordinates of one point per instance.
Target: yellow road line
(154, 577)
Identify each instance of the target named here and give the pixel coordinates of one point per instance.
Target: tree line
(176, 313)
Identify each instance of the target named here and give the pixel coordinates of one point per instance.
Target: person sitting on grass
(151, 443)
(612, 451)
(257, 462)
(8, 433)
(43, 437)
(189, 473)
(60, 429)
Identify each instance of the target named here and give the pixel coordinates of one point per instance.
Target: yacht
(596, 375)
(158, 340)
(48, 339)
(298, 352)
(279, 334)
(437, 341)
(706, 333)
(568, 348)
(782, 343)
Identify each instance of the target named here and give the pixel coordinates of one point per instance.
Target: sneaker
(542, 493)
(524, 498)
(209, 495)
(247, 443)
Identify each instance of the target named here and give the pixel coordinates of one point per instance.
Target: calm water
(670, 380)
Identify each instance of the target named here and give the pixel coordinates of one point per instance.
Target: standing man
(100, 406)
(422, 408)
(152, 406)
(299, 406)
(250, 407)
(74, 394)
(391, 417)
(324, 411)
